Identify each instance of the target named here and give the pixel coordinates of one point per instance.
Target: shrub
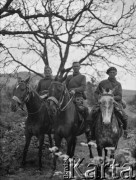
(12, 144)
(133, 102)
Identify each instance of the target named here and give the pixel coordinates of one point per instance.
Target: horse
(108, 128)
(66, 118)
(38, 121)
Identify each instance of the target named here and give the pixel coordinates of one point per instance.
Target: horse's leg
(90, 151)
(105, 153)
(50, 140)
(89, 146)
(41, 141)
(57, 140)
(113, 152)
(28, 137)
(74, 140)
(99, 150)
(71, 143)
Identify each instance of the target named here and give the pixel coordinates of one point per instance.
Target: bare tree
(98, 30)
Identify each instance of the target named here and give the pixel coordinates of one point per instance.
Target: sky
(128, 81)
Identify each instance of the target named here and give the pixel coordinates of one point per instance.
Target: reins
(60, 102)
(26, 99)
(65, 107)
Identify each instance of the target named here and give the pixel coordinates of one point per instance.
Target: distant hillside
(11, 79)
(128, 95)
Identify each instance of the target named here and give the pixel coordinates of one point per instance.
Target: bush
(133, 102)
(12, 144)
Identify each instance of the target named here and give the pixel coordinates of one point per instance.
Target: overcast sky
(128, 81)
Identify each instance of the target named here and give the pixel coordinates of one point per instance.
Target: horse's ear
(110, 92)
(27, 80)
(103, 91)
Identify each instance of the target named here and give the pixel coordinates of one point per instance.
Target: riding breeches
(122, 115)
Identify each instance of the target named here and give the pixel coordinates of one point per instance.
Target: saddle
(81, 113)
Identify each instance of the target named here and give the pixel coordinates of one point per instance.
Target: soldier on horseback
(44, 84)
(76, 84)
(109, 84)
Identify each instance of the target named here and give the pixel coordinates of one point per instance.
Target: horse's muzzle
(52, 108)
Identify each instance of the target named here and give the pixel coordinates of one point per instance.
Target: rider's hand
(72, 91)
(124, 104)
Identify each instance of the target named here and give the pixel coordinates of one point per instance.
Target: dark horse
(107, 129)
(66, 123)
(38, 121)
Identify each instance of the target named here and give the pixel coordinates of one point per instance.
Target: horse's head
(20, 94)
(106, 105)
(56, 96)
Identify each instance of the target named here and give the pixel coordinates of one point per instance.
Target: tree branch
(5, 7)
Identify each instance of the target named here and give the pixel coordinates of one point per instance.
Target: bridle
(111, 95)
(25, 99)
(59, 102)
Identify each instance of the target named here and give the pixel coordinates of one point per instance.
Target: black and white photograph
(67, 89)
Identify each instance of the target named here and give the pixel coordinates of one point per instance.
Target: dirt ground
(31, 172)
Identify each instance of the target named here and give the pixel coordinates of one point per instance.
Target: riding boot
(88, 132)
(123, 117)
(87, 125)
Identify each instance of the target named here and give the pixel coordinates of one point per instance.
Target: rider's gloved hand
(72, 92)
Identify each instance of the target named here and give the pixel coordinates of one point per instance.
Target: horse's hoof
(53, 149)
(58, 154)
(56, 173)
(83, 144)
(92, 144)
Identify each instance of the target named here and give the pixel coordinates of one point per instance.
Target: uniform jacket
(44, 84)
(76, 82)
(110, 84)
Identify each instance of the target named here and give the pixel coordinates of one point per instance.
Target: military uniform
(44, 85)
(110, 84)
(77, 82)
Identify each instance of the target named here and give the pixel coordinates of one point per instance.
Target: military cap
(111, 69)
